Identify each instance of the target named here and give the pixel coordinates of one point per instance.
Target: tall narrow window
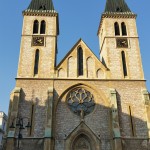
(131, 121)
(36, 63)
(116, 26)
(43, 27)
(35, 27)
(80, 61)
(124, 64)
(123, 27)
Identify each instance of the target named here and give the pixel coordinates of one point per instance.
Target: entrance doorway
(82, 142)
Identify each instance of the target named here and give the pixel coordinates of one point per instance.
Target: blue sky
(77, 19)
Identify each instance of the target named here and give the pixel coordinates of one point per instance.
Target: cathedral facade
(82, 103)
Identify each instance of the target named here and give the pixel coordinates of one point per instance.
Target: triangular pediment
(92, 66)
(82, 128)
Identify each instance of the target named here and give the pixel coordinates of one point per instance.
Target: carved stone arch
(90, 87)
(90, 67)
(82, 138)
(69, 126)
(71, 65)
(100, 74)
(82, 142)
(61, 73)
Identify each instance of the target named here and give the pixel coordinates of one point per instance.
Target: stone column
(115, 120)
(13, 113)
(48, 143)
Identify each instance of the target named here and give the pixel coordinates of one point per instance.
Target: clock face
(38, 41)
(122, 43)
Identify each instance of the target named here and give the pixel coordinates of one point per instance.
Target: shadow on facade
(102, 125)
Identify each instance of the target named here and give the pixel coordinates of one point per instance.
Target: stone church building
(82, 103)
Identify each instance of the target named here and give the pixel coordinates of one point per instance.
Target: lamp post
(20, 125)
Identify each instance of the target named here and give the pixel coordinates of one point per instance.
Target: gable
(91, 65)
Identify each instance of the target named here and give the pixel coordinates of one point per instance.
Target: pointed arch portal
(81, 143)
(82, 138)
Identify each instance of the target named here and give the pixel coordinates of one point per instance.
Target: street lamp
(21, 126)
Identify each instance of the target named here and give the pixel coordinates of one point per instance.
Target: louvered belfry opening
(35, 27)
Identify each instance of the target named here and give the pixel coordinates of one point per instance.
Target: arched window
(43, 27)
(35, 27)
(116, 26)
(61, 73)
(123, 27)
(124, 63)
(80, 61)
(36, 63)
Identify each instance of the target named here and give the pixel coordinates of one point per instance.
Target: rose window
(81, 102)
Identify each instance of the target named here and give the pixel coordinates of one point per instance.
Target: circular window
(81, 102)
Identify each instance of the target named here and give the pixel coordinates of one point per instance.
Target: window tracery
(81, 102)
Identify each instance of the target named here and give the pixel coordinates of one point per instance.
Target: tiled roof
(116, 6)
(41, 5)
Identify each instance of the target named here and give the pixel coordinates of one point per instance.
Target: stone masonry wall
(112, 54)
(68, 67)
(46, 52)
(34, 92)
(128, 92)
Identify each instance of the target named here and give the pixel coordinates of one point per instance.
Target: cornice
(115, 15)
(30, 12)
(83, 79)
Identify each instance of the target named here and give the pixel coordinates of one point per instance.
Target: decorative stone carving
(81, 102)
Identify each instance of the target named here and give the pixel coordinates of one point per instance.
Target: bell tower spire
(39, 41)
(117, 6)
(119, 42)
(41, 5)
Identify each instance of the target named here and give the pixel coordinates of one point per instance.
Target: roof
(72, 49)
(116, 9)
(3, 115)
(43, 8)
(116, 6)
(41, 5)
